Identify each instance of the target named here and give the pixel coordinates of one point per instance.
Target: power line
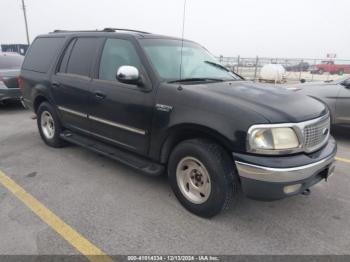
(25, 21)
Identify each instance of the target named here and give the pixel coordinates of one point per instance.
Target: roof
(108, 31)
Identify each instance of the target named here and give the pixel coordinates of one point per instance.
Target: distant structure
(17, 48)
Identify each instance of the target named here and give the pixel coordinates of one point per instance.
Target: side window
(116, 53)
(82, 56)
(42, 53)
(67, 52)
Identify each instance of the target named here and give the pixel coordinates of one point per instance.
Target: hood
(275, 104)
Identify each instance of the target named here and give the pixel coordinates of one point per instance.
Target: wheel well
(176, 137)
(38, 100)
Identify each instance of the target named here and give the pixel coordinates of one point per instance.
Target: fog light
(292, 188)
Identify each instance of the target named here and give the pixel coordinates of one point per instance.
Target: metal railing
(295, 69)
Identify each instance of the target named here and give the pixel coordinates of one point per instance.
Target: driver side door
(121, 113)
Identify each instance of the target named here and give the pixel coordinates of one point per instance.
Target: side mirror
(346, 83)
(128, 75)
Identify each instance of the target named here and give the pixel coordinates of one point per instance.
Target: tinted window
(63, 66)
(82, 56)
(116, 53)
(41, 54)
(10, 61)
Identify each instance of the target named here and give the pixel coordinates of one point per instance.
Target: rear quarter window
(42, 53)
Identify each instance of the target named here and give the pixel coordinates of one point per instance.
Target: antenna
(25, 21)
(182, 36)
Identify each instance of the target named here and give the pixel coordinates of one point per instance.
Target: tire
(321, 71)
(47, 113)
(209, 159)
(340, 72)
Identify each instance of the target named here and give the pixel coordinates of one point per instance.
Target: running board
(140, 163)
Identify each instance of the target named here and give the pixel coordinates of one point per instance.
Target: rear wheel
(49, 125)
(202, 177)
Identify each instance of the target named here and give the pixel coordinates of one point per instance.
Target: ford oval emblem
(325, 131)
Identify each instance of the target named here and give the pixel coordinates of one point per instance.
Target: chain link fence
(295, 69)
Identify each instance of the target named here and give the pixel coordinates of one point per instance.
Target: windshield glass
(197, 62)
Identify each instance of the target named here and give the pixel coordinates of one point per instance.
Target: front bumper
(276, 177)
(10, 94)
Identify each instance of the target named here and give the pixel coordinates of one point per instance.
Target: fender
(193, 112)
(181, 132)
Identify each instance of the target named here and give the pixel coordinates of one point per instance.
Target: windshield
(197, 62)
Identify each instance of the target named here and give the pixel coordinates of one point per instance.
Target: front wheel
(202, 177)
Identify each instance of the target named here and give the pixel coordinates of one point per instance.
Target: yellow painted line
(343, 160)
(84, 246)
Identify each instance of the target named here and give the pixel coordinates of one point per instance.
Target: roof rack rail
(64, 31)
(110, 29)
(107, 29)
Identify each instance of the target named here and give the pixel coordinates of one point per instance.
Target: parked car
(330, 67)
(334, 93)
(120, 93)
(299, 67)
(10, 64)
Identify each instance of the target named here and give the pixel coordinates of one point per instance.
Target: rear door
(72, 82)
(121, 113)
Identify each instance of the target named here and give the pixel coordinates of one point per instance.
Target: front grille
(316, 134)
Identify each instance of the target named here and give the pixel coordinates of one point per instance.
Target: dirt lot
(121, 211)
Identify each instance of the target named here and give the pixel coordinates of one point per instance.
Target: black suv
(162, 104)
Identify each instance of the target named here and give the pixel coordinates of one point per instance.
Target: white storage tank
(273, 73)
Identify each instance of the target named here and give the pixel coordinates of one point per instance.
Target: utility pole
(25, 21)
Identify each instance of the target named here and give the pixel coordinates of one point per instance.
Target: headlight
(272, 140)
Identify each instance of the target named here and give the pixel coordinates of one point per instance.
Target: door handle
(100, 95)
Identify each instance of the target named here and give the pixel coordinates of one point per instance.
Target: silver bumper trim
(281, 175)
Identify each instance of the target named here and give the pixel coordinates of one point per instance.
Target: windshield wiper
(217, 65)
(196, 79)
(225, 69)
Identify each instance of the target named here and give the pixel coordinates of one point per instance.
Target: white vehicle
(273, 73)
